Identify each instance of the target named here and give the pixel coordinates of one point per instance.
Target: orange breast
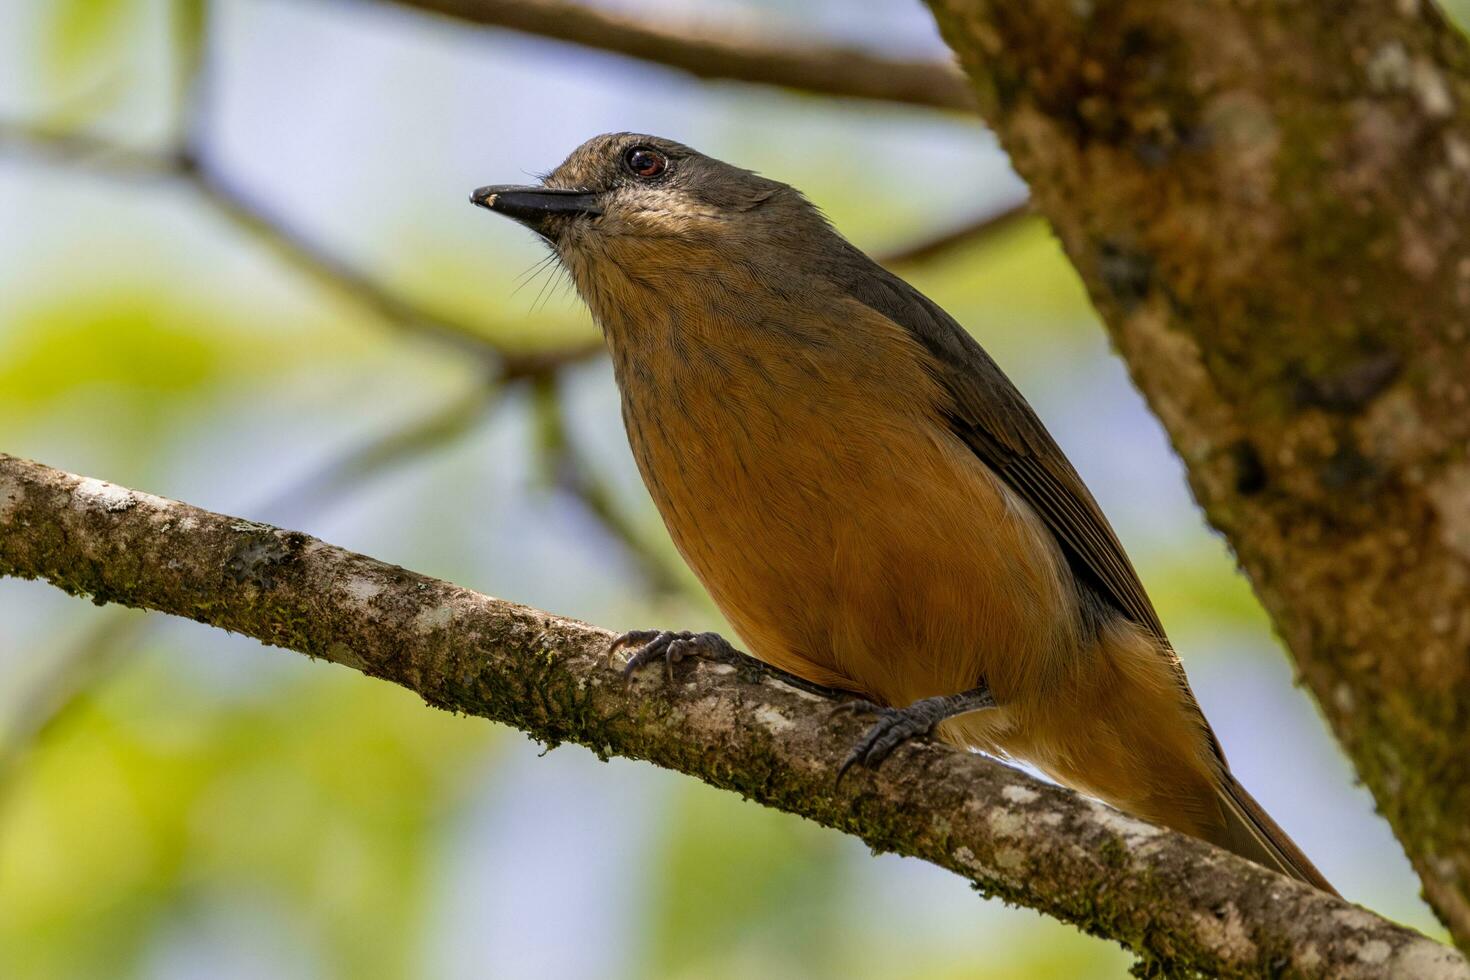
(809, 479)
(845, 533)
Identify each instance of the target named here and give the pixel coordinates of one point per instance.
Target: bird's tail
(1249, 832)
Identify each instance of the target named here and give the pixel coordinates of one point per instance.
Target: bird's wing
(993, 418)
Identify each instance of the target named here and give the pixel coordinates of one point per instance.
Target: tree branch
(568, 470)
(297, 249)
(734, 53)
(951, 240)
(1180, 903)
(66, 680)
(1268, 205)
(385, 451)
(76, 671)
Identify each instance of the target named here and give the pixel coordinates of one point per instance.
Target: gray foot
(898, 725)
(671, 647)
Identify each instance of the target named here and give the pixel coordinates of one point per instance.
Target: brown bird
(868, 499)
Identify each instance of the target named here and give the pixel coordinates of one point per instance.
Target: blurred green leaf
(190, 23)
(1018, 272)
(81, 36)
(530, 303)
(141, 344)
(125, 345)
(743, 891)
(1458, 12)
(1193, 584)
(324, 796)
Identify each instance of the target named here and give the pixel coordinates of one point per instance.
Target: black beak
(532, 205)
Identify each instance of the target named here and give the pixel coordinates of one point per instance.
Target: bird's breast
(806, 475)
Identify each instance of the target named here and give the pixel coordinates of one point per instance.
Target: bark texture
(1268, 204)
(1180, 904)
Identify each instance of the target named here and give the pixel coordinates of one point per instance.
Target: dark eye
(644, 162)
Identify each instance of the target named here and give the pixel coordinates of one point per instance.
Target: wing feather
(991, 416)
(994, 419)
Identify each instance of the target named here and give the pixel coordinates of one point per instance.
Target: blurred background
(238, 268)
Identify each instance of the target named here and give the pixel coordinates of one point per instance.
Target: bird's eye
(644, 162)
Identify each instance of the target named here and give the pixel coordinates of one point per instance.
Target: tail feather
(1252, 834)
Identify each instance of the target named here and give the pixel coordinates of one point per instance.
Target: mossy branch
(1180, 904)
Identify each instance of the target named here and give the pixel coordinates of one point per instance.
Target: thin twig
(66, 680)
(385, 452)
(278, 234)
(962, 236)
(78, 670)
(82, 149)
(569, 471)
(732, 52)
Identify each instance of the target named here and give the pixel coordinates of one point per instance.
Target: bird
(868, 499)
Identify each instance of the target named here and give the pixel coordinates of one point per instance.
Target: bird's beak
(533, 205)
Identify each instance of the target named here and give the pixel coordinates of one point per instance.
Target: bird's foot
(896, 726)
(671, 647)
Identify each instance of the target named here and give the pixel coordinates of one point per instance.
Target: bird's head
(627, 212)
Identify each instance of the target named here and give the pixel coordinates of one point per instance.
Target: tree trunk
(1266, 202)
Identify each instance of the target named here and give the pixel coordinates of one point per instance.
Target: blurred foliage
(117, 342)
(208, 808)
(319, 801)
(787, 894)
(80, 34)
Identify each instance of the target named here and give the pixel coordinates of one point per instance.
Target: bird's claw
(894, 727)
(671, 647)
(855, 706)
